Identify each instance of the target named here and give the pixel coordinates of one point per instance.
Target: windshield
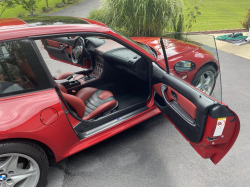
(141, 45)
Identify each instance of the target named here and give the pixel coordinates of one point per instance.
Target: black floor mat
(129, 99)
(128, 92)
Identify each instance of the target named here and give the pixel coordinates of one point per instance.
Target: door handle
(58, 49)
(61, 45)
(176, 107)
(174, 95)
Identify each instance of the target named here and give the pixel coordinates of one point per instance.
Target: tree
(29, 5)
(47, 3)
(246, 22)
(6, 4)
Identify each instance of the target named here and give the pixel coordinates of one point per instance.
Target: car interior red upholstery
(78, 77)
(89, 102)
(66, 75)
(187, 105)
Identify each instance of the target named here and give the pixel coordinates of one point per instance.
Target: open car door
(61, 48)
(209, 125)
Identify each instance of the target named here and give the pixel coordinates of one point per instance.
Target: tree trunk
(3, 11)
(32, 9)
(47, 3)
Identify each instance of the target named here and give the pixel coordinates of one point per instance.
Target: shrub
(21, 15)
(141, 17)
(30, 5)
(246, 22)
(59, 5)
(44, 9)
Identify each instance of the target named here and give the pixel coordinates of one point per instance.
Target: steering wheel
(78, 50)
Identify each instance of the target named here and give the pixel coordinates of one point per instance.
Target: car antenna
(165, 54)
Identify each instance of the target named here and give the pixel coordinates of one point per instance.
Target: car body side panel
(20, 118)
(103, 135)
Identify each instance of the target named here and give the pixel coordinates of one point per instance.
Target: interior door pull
(176, 107)
(174, 95)
(58, 49)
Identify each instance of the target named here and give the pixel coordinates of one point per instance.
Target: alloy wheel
(206, 82)
(18, 170)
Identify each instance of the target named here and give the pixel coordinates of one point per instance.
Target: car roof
(12, 25)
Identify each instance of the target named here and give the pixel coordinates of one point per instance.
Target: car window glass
(193, 58)
(15, 72)
(57, 62)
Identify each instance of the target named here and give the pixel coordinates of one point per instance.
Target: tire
(209, 71)
(29, 157)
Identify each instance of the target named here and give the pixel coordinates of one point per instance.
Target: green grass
(215, 14)
(18, 9)
(221, 14)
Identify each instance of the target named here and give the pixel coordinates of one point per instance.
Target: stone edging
(221, 31)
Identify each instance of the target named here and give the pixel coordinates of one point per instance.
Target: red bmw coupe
(68, 83)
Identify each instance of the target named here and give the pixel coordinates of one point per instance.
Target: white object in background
(248, 38)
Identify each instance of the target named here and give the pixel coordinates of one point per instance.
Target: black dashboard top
(118, 56)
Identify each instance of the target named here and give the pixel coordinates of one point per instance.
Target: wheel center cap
(3, 177)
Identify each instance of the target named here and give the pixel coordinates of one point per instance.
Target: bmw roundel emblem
(3, 177)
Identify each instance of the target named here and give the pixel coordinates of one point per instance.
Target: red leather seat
(66, 75)
(89, 102)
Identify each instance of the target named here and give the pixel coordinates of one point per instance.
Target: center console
(73, 81)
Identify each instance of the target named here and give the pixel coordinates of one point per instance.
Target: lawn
(215, 14)
(221, 14)
(18, 9)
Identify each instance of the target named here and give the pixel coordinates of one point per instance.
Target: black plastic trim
(111, 123)
(220, 111)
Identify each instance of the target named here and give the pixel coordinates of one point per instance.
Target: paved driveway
(153, 153)
(79, 10)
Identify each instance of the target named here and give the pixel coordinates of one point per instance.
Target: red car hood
(173, 47)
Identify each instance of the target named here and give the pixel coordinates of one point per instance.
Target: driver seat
(65, 75)
(90, 102)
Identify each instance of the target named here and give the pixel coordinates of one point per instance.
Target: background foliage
(246, 22)
(141, 17)
(6, 4)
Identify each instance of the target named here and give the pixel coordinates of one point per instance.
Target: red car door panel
(173, 95)
(57, 44)
(210, 127)
(57, 50)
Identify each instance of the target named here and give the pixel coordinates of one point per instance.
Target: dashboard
(115, 54)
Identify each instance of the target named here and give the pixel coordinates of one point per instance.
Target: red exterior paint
(49, 116)
(11, 23)
(24, 121)
(87, 142)
(29, 112)
(94, 22)
(222, 144)
(177, 51)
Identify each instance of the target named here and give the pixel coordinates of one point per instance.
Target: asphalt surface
(153, 153)
(79, 10)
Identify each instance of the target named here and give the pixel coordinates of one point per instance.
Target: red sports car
(68, 83)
